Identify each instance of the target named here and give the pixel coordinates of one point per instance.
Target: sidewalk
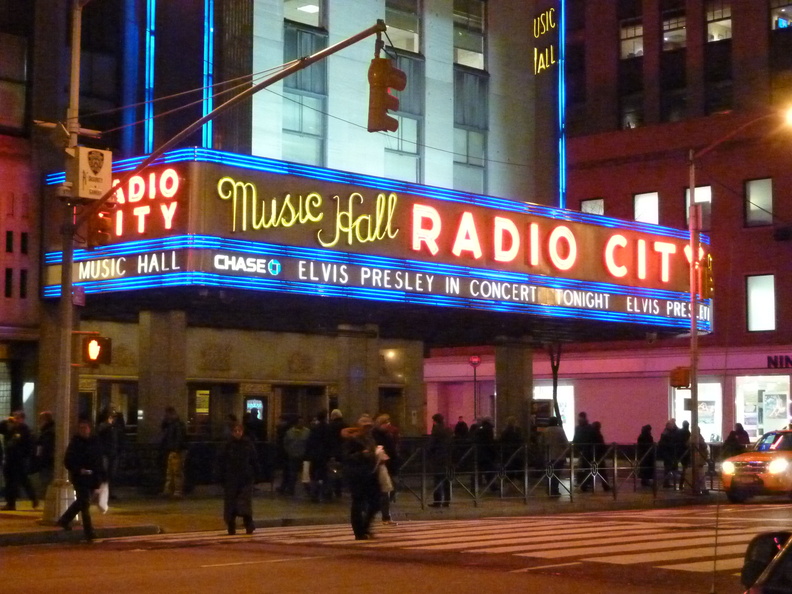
(134, 514)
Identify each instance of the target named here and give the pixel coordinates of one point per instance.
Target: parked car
(768, 564)
(766, 469)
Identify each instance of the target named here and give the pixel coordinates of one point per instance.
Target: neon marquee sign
(207, 218)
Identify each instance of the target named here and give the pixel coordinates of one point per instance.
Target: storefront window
(710, 410)
(762, 403)
(566, 403)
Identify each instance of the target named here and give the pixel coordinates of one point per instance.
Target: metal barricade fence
(474, 472)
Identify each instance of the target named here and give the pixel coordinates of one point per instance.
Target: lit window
(308, 12)
(780, 14)
(703, 198)
(719, 23)
(469, 31)
(403, 20)
(760, 293)
(647, 207)
(759, 202)
(593, 206)
(471, 118)
(631, 36)
(674, 32)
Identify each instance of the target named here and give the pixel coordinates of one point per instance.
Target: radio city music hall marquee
(205, 218)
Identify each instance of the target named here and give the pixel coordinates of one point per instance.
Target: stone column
(358, 370)
(162, 369)
(514, 382)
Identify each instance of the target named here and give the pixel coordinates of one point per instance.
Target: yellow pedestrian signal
(96, 350)
(680, 377)
(383, 76)
(100, 226)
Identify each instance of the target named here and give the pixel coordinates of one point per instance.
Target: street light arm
(300, 64)
(694, 156)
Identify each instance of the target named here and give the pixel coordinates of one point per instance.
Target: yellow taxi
(766, 469)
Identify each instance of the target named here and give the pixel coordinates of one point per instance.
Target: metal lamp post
(475, 361)
(694, 227)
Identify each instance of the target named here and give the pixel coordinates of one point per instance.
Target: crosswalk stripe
(661, 556)
(648, 536)
(543, 540)
(512, 534)
(707, 566)
(628, 547)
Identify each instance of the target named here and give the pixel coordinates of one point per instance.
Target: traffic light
(100, 226)
(680, 377)
(96, 350)
(707, 283)
(383, 76)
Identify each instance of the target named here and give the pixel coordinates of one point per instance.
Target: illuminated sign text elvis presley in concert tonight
(268, 231)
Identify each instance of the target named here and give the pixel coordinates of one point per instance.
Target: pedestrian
(438, 452)
(600, 453)
(461, 428)
(742, 435)
(699, 446)
(667, 451)
(84, 462)
(385, 437)
(110, 431)
(360, 470)
(682, 449)
(317, 453)
(334, 464)
(236, 470)
(511, 444)
(731, 446)
(584, 447)
(45, 450)
(645, 454)
(18, 444)
(556, 447)
(173, 446)
(294, 444)
(255, 428)
(483, 438)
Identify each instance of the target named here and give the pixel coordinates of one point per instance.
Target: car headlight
(778, 466)
(727, 467)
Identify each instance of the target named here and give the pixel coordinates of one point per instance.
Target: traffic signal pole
(60, 493)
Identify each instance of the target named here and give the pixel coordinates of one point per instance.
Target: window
(759, 202)
(469, 31)
(13, 81)
(756, 403)
(780, 14)
(719, 24)
(23, 284)
(760, 293)
(9, 242)
(307, 12)
(23, 243)
(674, 32)
(632, 112)
(631, 36)
(471, 119)
(402, 157)
(404, 22)
(9, 282)
(673, 105)
(647, 207)
(593, 206)
(703, 198)
(304, 98)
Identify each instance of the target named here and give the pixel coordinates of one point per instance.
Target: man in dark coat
(174, 448)
(645, 453)
(584, 448)
(18, 452)
(84, 462)
(360, 470)
(438, 453)
(317, 452)
(237, 468)
(45, 450)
